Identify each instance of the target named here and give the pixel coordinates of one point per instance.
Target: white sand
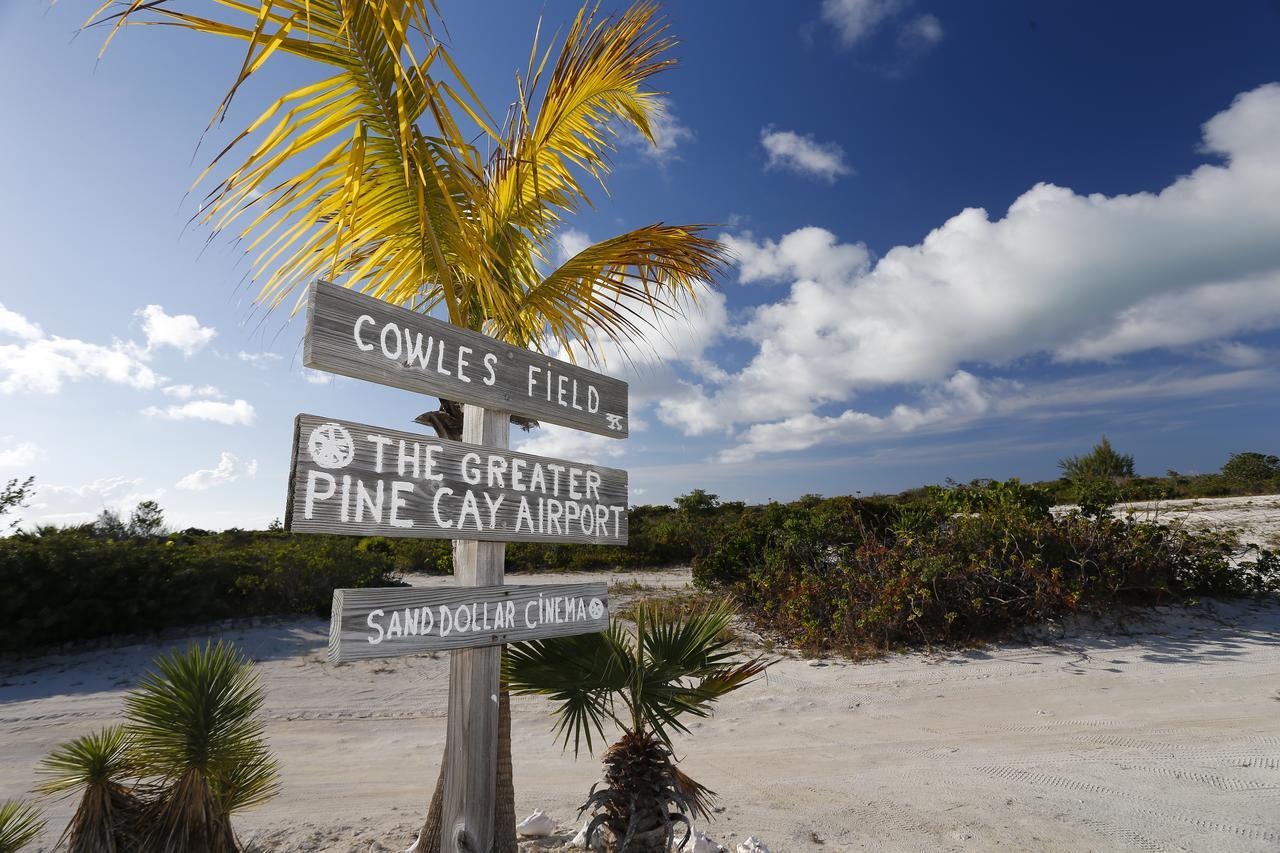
(1165, 736)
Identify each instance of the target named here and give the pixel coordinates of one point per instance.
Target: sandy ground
(1255, 519)
(1161, 734)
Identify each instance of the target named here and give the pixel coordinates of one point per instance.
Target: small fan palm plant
(196, 731)
(96, 766)
(20, 823)
(674, 665)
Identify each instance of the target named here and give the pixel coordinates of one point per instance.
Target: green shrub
(959, 565)
(64, 584)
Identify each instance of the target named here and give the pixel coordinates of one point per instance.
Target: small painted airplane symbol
(615, 421)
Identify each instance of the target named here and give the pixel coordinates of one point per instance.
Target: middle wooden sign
(353, 479)
(365, 338)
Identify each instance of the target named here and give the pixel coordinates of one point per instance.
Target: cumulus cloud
(44, 364)
(806, 253)
(17, 454)
(53, 504)
(228, 470)
(855, 20)
(187, 391)
(963, 398)
(258, 359)
(669, 133)
(565, 443)
(183, 332)
(920, 33)
(1061, 276)
(570, 242)
(239, 413)
(803, 155)
(13, 324)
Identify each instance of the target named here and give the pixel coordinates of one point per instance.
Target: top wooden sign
(365, 338)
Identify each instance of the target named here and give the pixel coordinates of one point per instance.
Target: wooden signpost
(382, 623)
(349, 478)
(368, 481)
(365, 338)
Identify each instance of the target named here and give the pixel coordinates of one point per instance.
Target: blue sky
(970, 239)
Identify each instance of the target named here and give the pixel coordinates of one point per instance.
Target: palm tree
(20, 824)
(96, 765)
(674, 665)
(386, 173)
(195, 728)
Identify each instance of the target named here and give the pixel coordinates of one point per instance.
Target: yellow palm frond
(617, 286)
(365, 175)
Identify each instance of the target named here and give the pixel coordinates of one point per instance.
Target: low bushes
(957, 565)
(66, 584)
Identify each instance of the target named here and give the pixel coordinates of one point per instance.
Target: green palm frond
(674, 665)
(101, 758)
(95, 765)
(20, 824)
(581, 674)
(198, 712)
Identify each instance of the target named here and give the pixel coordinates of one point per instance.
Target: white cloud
(44, 364)
(803, 155)
(17, 454)
(78, 504)
(1069, 277)
(318, 377)
(186, 392)
(15, 325)
(1236, 354)
(668, 133)
(258, 359)
(183, 332)
(570, 242)
(238, 413)
(921, 33)
(964, 398)
(565, 443)
(855, 20)
(228, 470)
(807, 253)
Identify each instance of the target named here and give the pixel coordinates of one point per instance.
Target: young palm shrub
(20, 823)
(196, 730)
(95, 765)
(675, 665)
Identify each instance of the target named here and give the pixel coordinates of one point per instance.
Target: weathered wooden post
(361, 480)
(471, 739)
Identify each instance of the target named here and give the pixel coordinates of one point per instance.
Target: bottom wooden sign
(381, 622)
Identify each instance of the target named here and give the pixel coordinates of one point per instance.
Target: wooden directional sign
(365, 338)
(388, 622)
(361, 480)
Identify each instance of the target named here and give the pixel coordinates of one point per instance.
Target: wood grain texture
(365, 338)
(435, 488)
(471, 735)
(430, 620)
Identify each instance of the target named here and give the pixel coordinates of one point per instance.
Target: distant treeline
(117, 576)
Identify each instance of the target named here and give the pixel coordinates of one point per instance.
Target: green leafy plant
(1102, 461)
(675, 665)
(1250, 467)
(96, 766)
(20, 824)
(196, 729)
